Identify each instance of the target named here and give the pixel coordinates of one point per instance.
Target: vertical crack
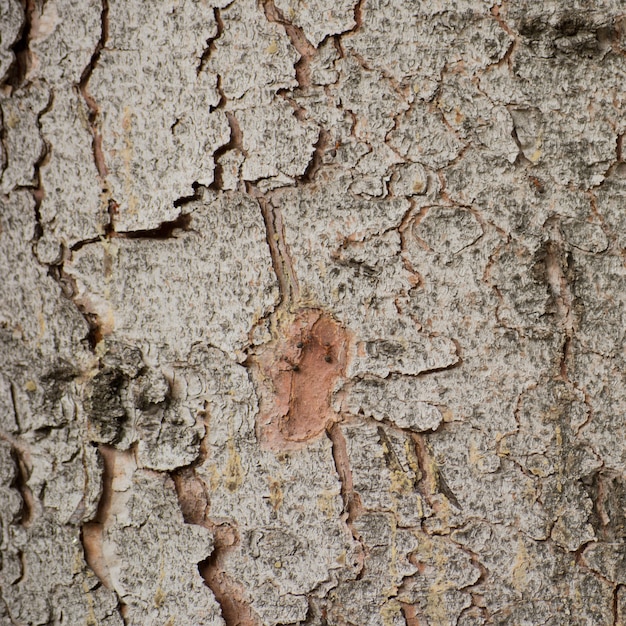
(94, 335)
(358, 24)
(317, 159)
(617, 618)
(92, 532)
(210, 43)
(302, 68)
(21, 484)
(432, 481)
(230, 595)
(559, 287)
(298, 39)
(195, 505)
(16, 412)
(38, 189)
(358, 16)
(279, 251)
(234, 143)
(18, 71)
(115, 464)
(351, 500)
(506, 58)
(20, 456)
(94, 110)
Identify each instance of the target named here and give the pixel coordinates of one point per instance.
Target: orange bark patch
(296, 374)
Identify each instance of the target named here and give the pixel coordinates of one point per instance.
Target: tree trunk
(312, 313)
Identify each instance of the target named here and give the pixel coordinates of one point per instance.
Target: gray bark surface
(312, 312)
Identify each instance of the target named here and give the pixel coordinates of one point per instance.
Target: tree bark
(312, 313)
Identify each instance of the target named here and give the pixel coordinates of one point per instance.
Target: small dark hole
(328, 359)
(296, 368)
(299, 345)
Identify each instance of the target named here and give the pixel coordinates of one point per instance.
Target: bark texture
(312, 312)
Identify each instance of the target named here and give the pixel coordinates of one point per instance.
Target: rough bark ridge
(312, 313)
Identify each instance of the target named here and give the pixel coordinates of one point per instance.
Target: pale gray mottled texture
(312, 313)
(132, 283)
(11, 16)
(321, 19)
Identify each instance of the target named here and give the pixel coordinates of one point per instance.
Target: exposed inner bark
(296, 374)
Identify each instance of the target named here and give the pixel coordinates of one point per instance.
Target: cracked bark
(83, 86)
(312, 313)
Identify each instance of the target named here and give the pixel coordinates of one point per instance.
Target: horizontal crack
(165, 230)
